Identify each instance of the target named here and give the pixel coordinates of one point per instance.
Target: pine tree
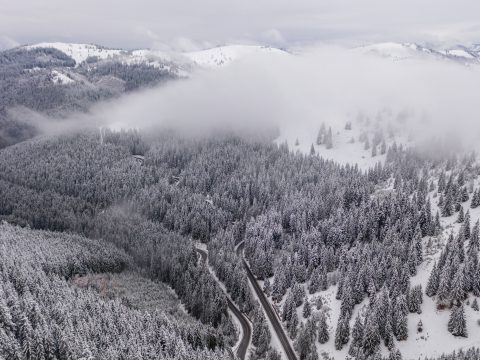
(461, 216)
(400, 319)
(305, 343)
(321, 135)
(441, 182)
(371, 336)
(307, 310)
(447, 207)
(388, 336)
(475, 304)
(292, 325)
(323, 334)
(457, 324)
(443, 292)
(395, 354)
(457, 292)
(288, 307)
(342, 334)
(357, 336)
(474, 245)
(312, 150)
(329, 139)
(466, 225)
(383, 148)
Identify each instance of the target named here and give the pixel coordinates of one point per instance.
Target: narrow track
(277, 326)
(246, 327)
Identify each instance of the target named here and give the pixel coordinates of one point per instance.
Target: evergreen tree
(461, 216)
(261, 333)
(371, 336)
(342, 334)
(292, 325)
(321, 135)
(395, 354)
(466, 225)
(457, 324)
(475, 304)
(329, 139)
(457, 292)
(400, 319)
(357, 336)
(323, 334)
(307, 309)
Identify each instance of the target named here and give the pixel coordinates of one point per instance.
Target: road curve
(246, 328)
(277, 326)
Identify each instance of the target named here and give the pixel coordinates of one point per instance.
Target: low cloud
(299, 92)
(7, 42)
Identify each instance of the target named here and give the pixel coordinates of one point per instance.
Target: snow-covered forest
(363, 264)
(268, 199)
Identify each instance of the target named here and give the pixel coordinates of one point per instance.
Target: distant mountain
(210, 58)
(404, 51)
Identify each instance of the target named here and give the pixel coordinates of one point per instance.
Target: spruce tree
(457, 324)
(457, 292)
(475, 304)
(400, 319)
(307, 310)
(342, 334)
(371, 335)
(461, 216)
(329, 139)
(395, 354)
(466, 225)
(357, 336)
(323, 334)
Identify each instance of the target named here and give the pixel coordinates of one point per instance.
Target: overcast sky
(186, 24)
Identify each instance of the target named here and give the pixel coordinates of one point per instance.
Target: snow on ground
(79, 52)
(460, 53)
(435, 338)
(275, 341)
(60, 78)
(209, 58)
(347, 149)
(224, 55)
(395, 51)
(236, 322)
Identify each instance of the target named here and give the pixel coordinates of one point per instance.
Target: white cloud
(299, 92)
(7, 42)
(117, 23)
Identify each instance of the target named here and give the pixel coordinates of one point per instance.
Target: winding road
(246, 327)
(272, 316)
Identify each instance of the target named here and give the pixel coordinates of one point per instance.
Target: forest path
(272, 316)
(246, 327)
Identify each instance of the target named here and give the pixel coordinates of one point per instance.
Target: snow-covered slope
(210, 58)
(60, 78)
(224, 55)
(79, 52)
(405, 51)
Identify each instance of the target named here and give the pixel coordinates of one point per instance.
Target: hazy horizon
(187, 25)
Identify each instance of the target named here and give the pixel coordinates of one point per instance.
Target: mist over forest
(301, 185)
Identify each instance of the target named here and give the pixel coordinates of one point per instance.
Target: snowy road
(246, 328)
(272, 317)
